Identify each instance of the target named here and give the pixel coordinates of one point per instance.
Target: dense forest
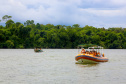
(30, 35)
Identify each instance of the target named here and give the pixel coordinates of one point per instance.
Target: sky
(97, 13)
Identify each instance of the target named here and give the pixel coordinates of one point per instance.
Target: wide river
(58, 66)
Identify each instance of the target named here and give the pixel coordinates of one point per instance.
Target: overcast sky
(97, 13)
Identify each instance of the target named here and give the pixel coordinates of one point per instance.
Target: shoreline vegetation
(15, 35)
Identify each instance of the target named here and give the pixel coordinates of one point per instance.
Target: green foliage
(30, 35)
(18, 24)
(9, 44)
(76, 25)
(29, 22)
(6, 17)
(9, 23)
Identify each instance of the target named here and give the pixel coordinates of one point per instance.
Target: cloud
(98, 13)
(118, 2)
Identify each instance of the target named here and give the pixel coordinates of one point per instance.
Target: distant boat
(91, 55)
(38, 49)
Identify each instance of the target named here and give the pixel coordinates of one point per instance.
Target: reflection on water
(86, 65)
(58, 66)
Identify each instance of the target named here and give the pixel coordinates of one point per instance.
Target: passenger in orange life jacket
(83, 50)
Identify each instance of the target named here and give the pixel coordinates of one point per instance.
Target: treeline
(30, 35)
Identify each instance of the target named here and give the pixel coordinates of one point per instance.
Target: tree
(6, 17)
(15, 41)
(29, 35)
(2, 38)
(18, 24)
(38, 26)
(41, 42)
(9, 23)
(9, 44)
(29, 22)
(76, 25)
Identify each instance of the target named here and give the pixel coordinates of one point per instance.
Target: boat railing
(95, 51)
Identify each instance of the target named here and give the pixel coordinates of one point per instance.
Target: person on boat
(90, 52)
(95, 53)
(83, 50)
(103, 55)
(87, 52)
(35, 48)
(98, 54)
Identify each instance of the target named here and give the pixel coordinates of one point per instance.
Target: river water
(58, 66)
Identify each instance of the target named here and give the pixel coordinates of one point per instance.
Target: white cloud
(118, 2)
(105, 12)
(68, 12)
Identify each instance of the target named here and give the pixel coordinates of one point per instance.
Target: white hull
(86, 61)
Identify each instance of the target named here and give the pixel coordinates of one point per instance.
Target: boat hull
(85, 58)
(86, 61)
(38, 50)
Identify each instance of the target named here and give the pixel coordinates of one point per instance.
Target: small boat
(38, 49)
(91, 55)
